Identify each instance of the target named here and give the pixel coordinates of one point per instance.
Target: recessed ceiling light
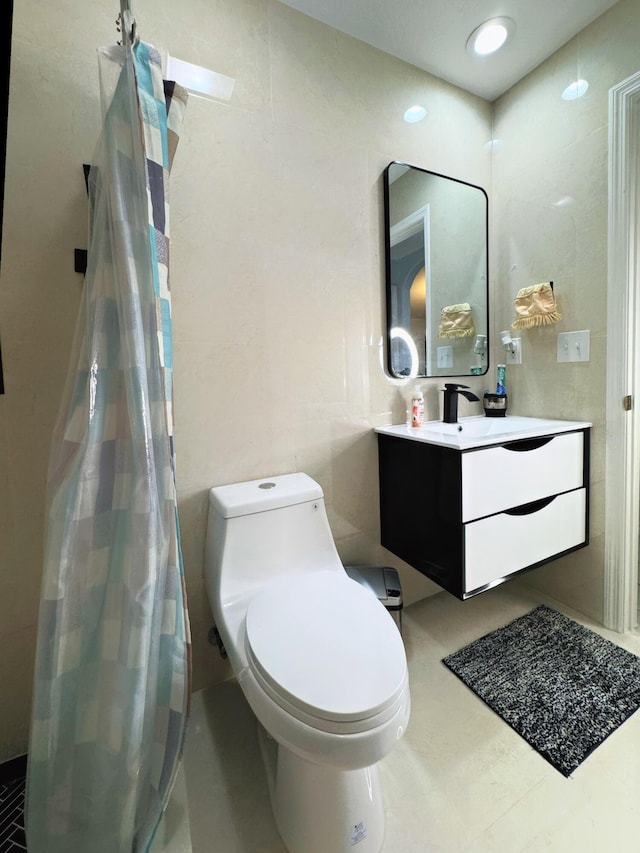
(415, 113)
(575, 90)
(490, 36)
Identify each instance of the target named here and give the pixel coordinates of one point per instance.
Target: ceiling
(432, 34)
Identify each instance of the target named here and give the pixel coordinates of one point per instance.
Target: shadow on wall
(5, 47)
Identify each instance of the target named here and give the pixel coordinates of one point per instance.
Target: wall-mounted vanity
(472, 504)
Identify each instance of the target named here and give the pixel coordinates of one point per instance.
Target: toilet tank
(265, 529)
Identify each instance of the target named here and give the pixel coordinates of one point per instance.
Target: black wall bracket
(80, 256)
(80, 260)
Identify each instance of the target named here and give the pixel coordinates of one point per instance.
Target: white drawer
(504, 543)
(497, 478)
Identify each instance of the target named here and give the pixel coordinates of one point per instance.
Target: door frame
(419, 220)
(622, 471)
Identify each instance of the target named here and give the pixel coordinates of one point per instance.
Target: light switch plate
(445, 356)
(574, 346)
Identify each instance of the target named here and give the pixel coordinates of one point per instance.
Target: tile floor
(172, 836)
(460, 781)
(12, 838)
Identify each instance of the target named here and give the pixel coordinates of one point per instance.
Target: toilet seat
(325, 649)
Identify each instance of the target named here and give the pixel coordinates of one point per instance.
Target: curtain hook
(126, 24)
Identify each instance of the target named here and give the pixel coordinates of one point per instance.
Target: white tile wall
(550, 223)
(277, 266)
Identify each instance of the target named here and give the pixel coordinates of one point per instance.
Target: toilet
(318, 657)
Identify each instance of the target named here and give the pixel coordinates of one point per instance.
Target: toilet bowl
(319, 659)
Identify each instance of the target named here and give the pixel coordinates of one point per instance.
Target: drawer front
(497, 546)
(499, 478)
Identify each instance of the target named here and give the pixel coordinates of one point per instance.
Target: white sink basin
(479, 431)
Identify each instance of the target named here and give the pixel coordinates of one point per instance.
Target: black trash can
(384, 583)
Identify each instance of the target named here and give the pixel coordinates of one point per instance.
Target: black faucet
(451, 391)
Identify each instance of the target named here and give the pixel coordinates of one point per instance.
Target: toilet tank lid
(264, 494)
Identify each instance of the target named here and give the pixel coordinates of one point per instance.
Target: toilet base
(321, 809)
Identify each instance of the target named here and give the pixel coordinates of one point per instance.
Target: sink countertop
(481, 431)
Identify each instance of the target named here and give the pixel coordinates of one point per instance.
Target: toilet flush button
(267, 486)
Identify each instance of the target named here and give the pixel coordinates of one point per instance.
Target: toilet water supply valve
(216, 640)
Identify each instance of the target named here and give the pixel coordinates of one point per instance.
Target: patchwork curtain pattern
(112, 676)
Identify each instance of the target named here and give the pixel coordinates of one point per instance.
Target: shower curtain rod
(127, 21)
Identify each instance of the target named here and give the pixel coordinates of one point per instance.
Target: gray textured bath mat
(562, 687)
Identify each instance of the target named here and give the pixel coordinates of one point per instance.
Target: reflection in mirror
(436, 232)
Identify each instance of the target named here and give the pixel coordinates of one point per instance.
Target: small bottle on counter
(417, 407)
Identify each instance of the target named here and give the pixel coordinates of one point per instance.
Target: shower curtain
(112, 687)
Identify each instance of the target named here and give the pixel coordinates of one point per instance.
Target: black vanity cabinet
(471, 518)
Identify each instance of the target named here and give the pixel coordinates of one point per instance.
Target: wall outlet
(514, 357)
(445, 356)
(574, 346)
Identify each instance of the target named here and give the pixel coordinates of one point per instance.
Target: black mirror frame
(387, 264)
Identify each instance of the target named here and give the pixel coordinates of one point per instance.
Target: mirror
(437, 270)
